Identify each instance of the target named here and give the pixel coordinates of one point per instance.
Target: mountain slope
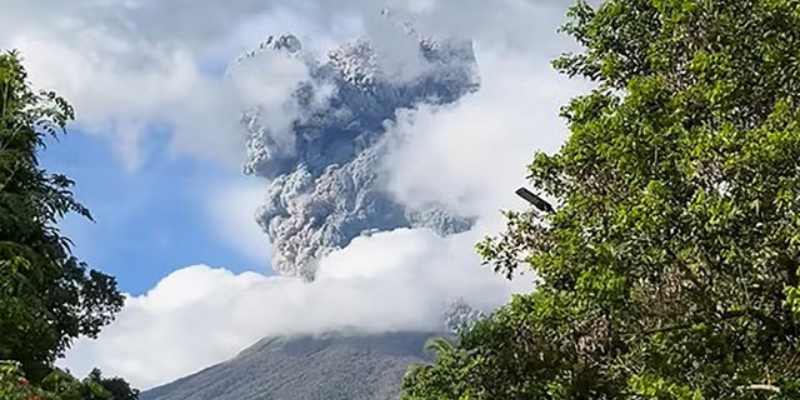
(329, 367)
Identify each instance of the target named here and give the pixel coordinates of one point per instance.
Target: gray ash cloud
(325, 174)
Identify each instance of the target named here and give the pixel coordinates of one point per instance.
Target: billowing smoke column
(326, 185)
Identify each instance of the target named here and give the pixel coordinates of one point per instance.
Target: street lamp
(535, 200)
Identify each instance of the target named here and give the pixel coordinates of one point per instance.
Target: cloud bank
(197, 316)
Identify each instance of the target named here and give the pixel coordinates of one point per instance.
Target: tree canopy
(60, 385)
(47, 296)
(669, 267)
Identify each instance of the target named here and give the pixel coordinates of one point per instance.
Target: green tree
(116, 387)
(47, 297)
(60, 385)
(669, 268)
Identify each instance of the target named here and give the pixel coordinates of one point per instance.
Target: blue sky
(150, 221)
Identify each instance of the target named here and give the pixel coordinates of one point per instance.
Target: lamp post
(535, 200)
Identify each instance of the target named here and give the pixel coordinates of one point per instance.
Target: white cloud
(167, 88)
(110, 61)
(196, 316)
(471, 155)
(127, 64)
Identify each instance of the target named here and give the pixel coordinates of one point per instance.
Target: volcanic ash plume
(324, 168)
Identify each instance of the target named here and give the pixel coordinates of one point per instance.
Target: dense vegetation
(47, 296)
(669, 268)
(60, 385)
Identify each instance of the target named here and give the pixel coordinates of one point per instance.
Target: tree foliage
(60, 385)
(47, 297)
(669, 269)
